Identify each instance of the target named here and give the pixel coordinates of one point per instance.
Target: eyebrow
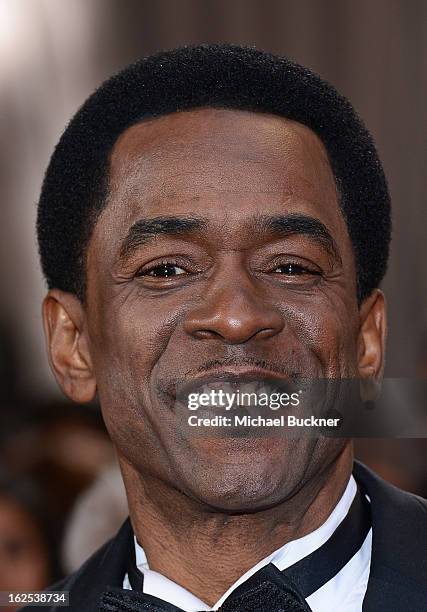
(145, 230)
(284, 225)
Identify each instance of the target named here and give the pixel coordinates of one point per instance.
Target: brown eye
(291, 269)
(165, 270)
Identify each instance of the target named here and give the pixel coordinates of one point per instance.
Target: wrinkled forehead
(218, 126)
(262, 152)
(227, 165)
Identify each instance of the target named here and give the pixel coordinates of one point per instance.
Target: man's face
(221, 249)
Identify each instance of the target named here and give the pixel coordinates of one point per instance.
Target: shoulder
(68, 584)
(105, 568)
(390, 499)
(399, 543)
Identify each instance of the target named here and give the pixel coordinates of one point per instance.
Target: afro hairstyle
(75, 186)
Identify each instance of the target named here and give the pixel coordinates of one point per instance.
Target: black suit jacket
(398, 575)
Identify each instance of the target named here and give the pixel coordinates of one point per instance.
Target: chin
(243, 475)
(239, 495)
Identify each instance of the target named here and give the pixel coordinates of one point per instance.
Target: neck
(207, 551)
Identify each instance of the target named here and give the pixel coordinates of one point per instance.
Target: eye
(163, 270)
(292, 269)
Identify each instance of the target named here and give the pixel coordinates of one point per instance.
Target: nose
(234, 312)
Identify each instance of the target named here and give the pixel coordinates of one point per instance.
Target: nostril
(206, 334)
(234, 318)
(266, 333)
(235, 335)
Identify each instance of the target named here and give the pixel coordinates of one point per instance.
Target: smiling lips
(229, 382)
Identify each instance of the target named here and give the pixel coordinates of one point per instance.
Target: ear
(372, 336)
(68, 345)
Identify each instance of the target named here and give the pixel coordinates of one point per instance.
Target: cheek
(130, 337)
(327, 329)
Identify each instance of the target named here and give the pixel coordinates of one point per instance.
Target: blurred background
(56, 463)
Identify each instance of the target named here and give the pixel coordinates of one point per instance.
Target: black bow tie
(269, 589)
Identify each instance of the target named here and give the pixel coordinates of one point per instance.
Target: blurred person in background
(49, 456)
(27, 552)
(97, 514)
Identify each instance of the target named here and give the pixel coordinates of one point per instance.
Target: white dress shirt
(344, 592)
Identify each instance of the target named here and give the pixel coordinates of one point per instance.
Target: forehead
(219, 163)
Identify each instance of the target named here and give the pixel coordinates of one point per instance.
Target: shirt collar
(158, 585)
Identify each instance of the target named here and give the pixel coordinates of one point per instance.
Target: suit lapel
(398, 573)
(106, 568)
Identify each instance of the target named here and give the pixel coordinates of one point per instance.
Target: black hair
(221, 76)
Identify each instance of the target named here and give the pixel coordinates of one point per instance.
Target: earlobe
(68, 345)
(372, 336)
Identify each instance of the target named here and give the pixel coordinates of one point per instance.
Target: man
(218, 216)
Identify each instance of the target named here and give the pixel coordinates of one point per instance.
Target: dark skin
(221, 249)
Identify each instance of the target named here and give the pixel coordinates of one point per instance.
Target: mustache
(291, 369)
(288, 369)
